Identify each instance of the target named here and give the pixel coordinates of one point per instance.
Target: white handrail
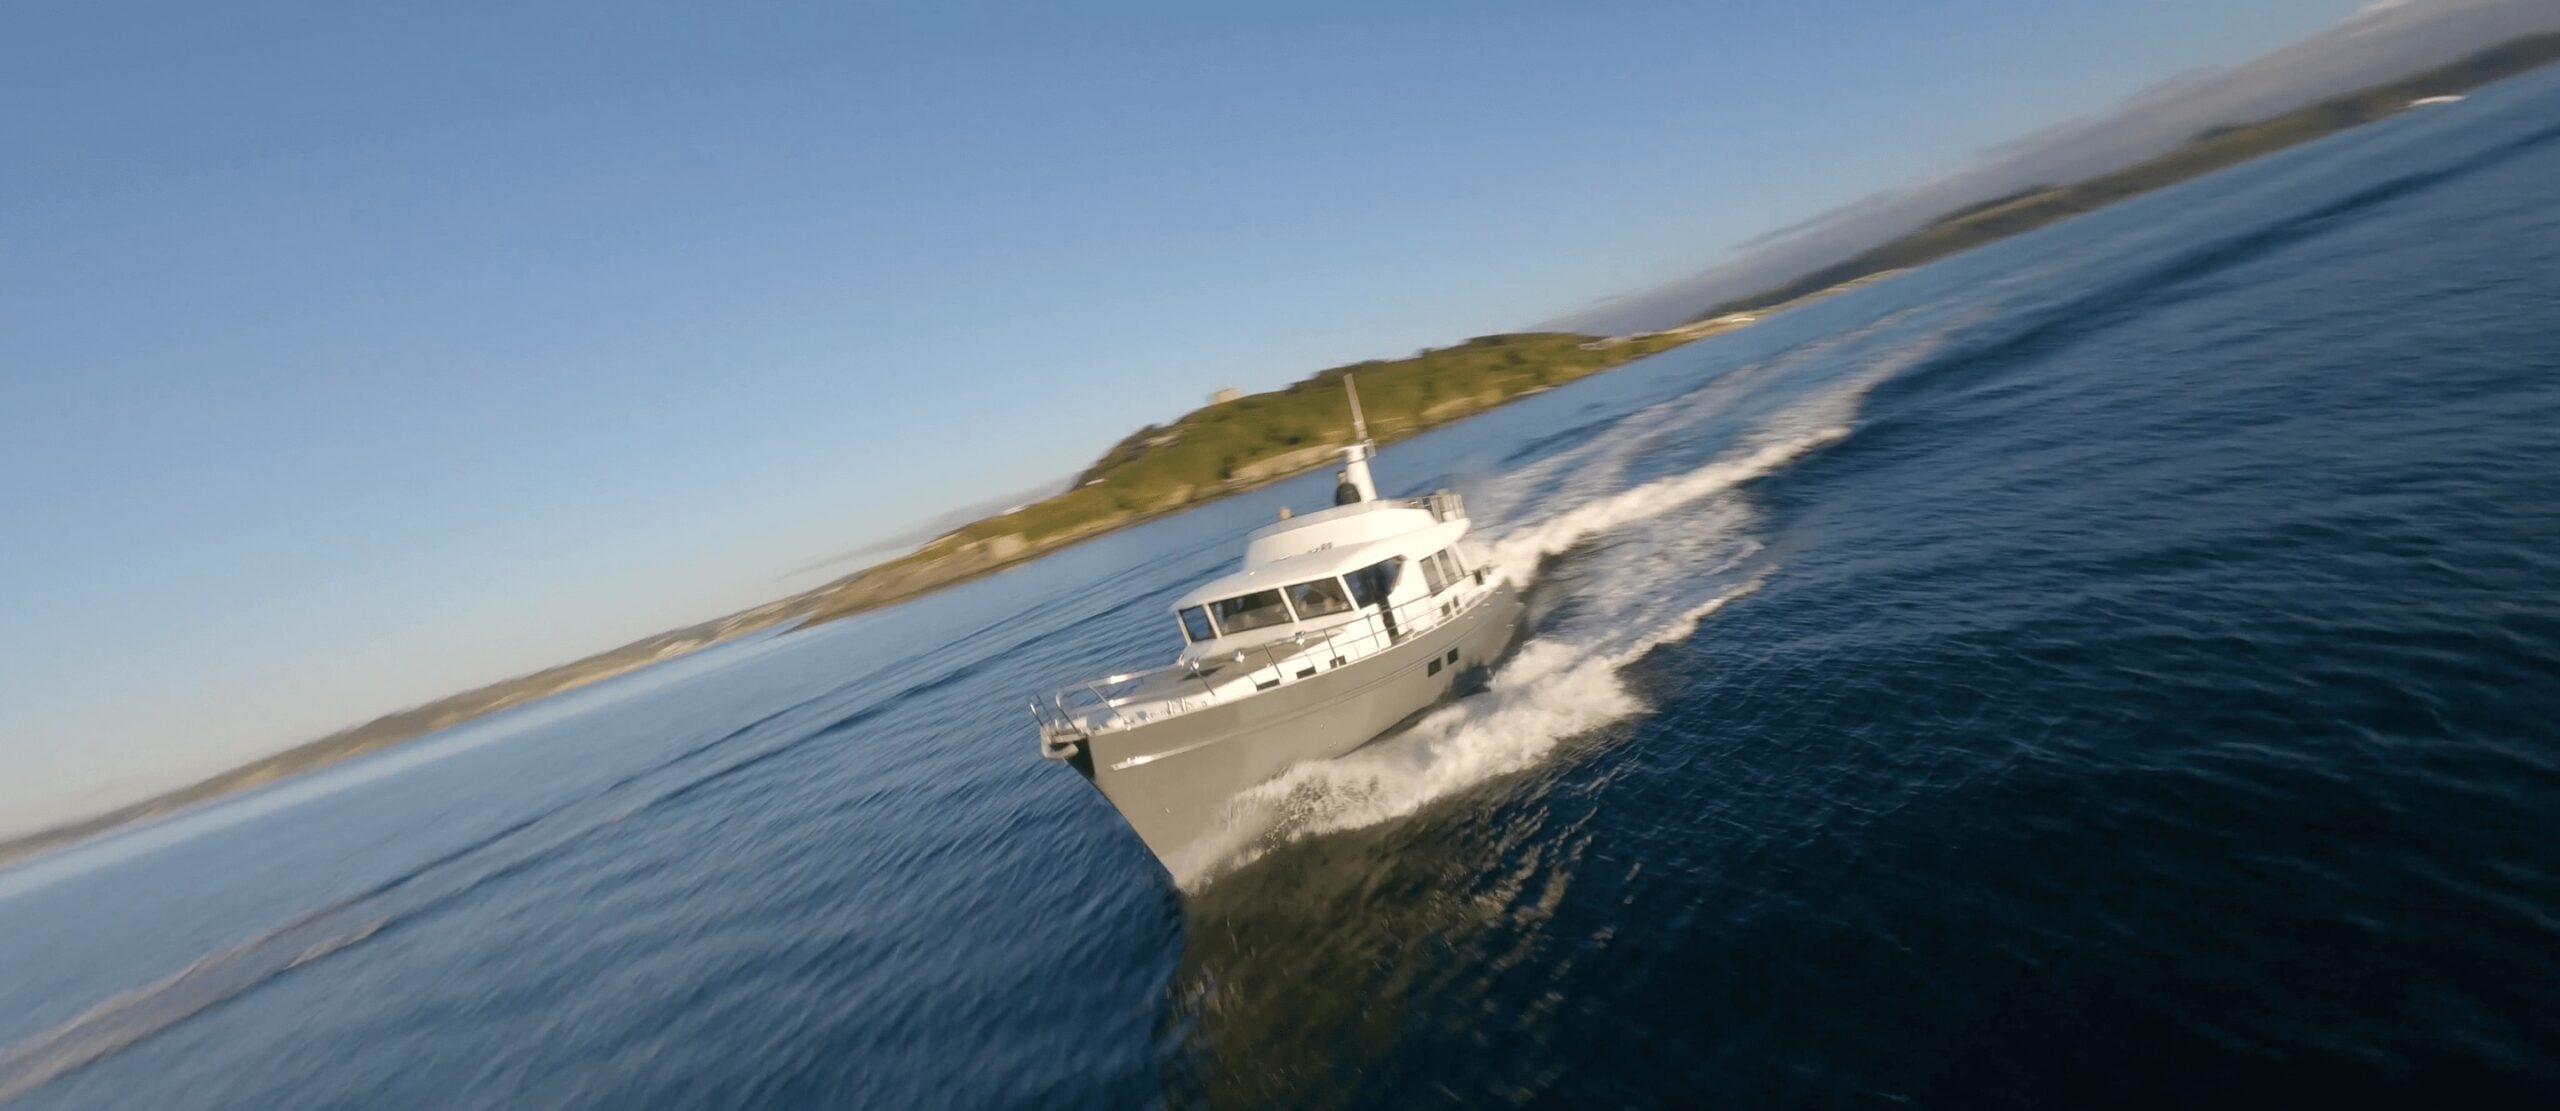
(1102, 714)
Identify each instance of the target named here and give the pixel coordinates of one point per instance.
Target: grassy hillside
(1219, 446)
(2227, 145)
(1220, 449)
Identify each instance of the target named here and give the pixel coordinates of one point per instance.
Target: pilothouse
(1338, 626)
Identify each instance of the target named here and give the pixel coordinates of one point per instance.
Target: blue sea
(2118, 667)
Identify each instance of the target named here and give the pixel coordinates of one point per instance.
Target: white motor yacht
(1340, 625)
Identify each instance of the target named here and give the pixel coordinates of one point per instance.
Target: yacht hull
(1172, 780)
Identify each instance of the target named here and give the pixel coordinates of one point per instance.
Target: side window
(1432, 574)
(1195, 625)
(1260, 609)
(1371, 585)
(1321, 598)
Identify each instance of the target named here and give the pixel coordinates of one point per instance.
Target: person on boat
(1376, 582)
(1344, 493)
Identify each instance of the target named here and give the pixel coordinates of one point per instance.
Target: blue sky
(348, 359)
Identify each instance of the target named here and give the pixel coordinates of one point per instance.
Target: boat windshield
(1321, 598)
(1260, 609)
(1196, 627)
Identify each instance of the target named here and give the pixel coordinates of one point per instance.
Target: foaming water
(1649, 589)
(2112, 665)
(1549, 691)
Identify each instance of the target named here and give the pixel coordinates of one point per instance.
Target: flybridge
(1318, 571)
(1344, 525)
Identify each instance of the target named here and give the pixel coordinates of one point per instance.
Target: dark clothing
(1372, 584)
(1346, 494)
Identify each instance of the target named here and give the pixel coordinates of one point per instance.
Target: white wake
(1646, 586)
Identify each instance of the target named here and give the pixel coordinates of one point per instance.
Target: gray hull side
(1171, 780)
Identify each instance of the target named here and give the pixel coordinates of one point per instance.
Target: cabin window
(1433, 574)
(1372, 584)
(1321, 598)
(1442, 569)
(1196, 627)
(1258, 610)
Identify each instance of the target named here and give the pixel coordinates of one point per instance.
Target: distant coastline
(1232, 446)
(2213, 149)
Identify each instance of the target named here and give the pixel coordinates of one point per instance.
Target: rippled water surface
(2114, 667)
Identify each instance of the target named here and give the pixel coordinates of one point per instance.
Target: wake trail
(1566, 682)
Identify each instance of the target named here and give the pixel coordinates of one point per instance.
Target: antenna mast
(1355, 458)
